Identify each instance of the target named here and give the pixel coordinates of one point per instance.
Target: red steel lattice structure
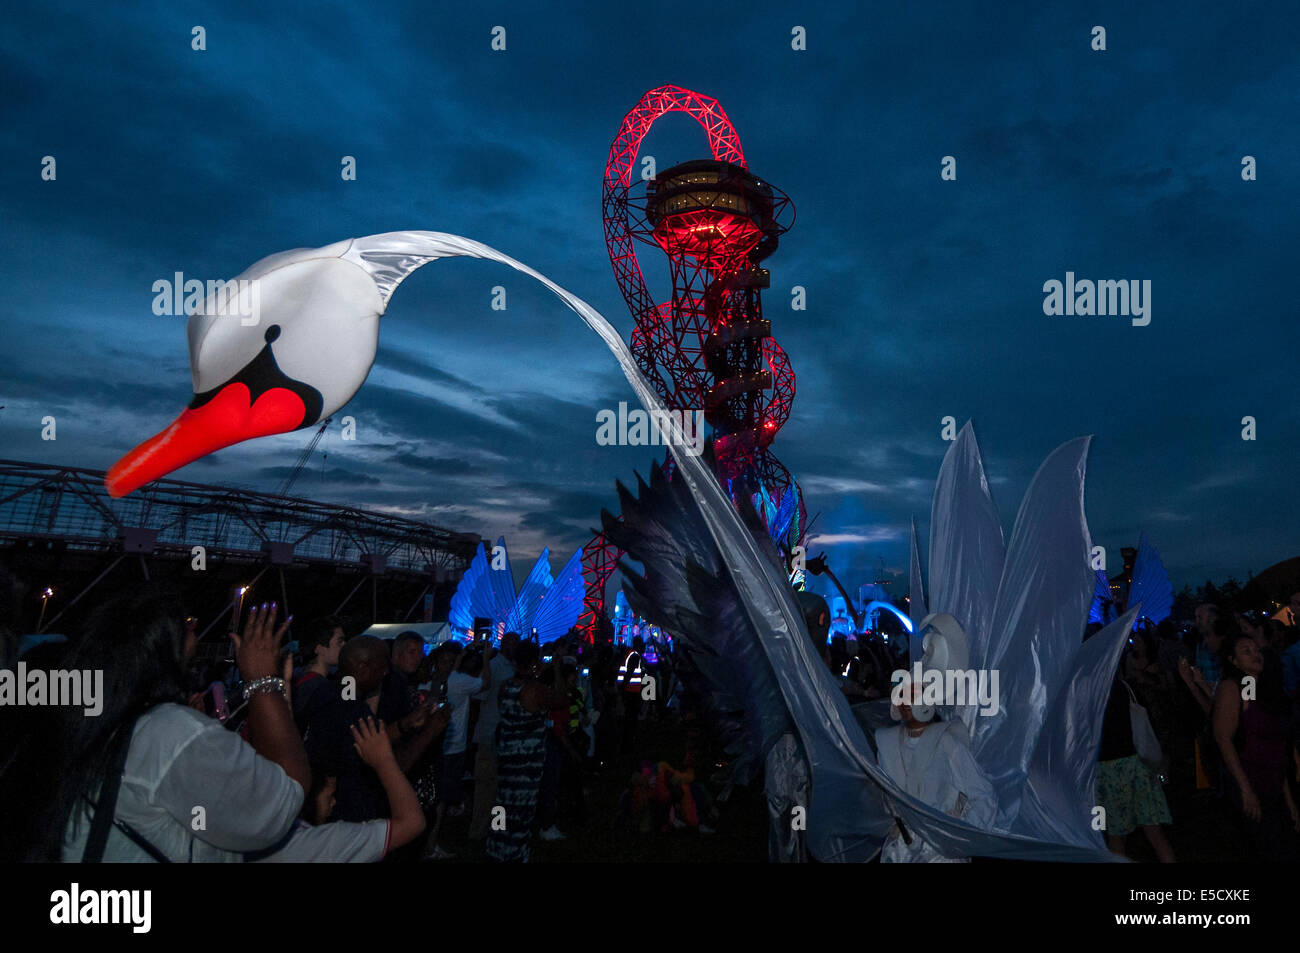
(715, 222)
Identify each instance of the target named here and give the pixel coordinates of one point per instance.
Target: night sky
(925, 297)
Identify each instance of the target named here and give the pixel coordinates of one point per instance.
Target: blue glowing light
(547, 605)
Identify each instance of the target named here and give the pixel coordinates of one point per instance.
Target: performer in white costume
(931, 760)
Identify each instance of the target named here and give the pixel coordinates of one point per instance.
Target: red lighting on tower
(709, 348)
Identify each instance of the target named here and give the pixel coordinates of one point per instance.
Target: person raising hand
(271, 729)
(316, 838)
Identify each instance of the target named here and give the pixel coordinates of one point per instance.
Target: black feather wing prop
(686, 588)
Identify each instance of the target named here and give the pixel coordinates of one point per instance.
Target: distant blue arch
(878, 604)
(846, 627)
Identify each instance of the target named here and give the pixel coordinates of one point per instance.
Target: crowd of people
(364, 749)
(323, 748)
(1212, 713)
(1207, 714)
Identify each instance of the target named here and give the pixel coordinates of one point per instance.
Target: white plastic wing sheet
(966, 549)
(1062, 774)
(1039, 620)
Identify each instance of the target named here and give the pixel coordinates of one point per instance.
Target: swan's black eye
(272, 333)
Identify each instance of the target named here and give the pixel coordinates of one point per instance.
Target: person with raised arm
(150, 778)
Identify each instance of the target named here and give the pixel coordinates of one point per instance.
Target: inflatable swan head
(292, 348)
(296, 348)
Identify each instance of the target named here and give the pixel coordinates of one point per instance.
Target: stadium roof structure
(70, 506)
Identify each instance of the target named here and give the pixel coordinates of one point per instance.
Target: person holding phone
(136, 773)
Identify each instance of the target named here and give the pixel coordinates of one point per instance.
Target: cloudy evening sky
(925, 297)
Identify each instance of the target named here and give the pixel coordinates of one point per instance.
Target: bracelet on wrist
(269, 685)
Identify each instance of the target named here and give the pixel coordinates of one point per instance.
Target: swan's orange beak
(228, 417)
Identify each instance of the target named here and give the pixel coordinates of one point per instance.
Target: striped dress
(521, 754)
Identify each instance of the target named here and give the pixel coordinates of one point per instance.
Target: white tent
(433, 633)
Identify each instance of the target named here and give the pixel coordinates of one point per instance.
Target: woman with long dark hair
(183, 787)
(1250, 726)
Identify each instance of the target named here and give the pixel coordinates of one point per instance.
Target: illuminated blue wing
(776, 515)
(879, 605)
(561, 604)
(785, 514)
(1150, 585)
(763, 503)
(500, 600)
(530, 597)
(463, 607)
(484, 592)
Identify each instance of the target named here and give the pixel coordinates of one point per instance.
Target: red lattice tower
(709, 348)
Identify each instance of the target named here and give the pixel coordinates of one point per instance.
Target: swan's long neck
(763, 587)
